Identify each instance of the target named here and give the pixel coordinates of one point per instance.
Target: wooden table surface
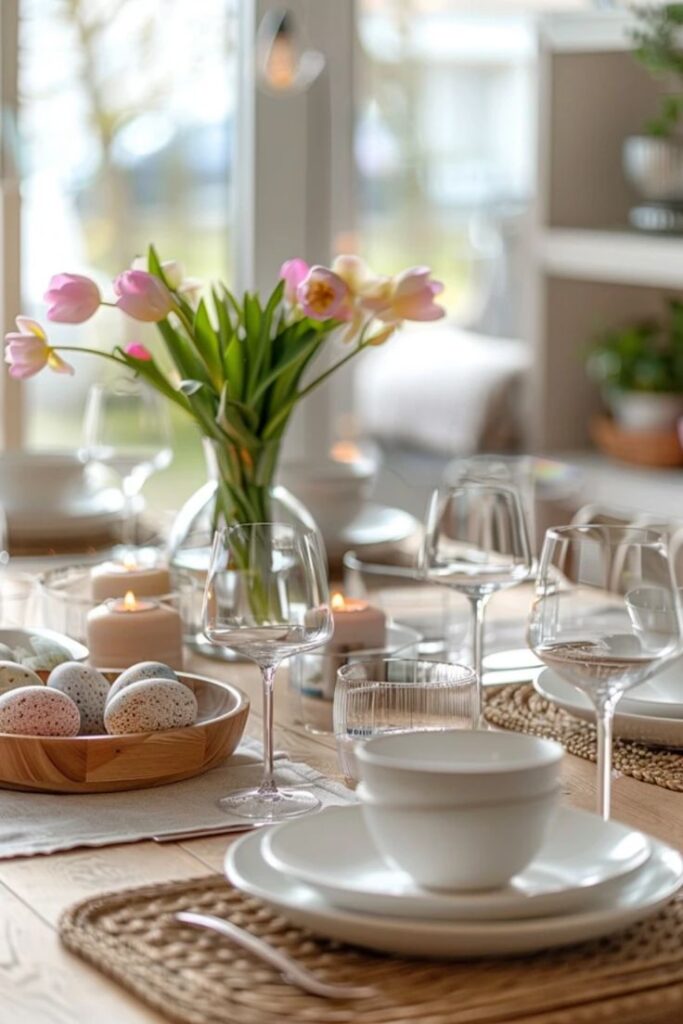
(40, 983)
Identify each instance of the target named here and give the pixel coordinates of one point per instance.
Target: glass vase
(189, 543)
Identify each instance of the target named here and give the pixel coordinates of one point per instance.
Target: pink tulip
(143, 296)
(293, 272)
(28, 352)
(412, 297)
(323, 295)
(138, 351)
(71, 298)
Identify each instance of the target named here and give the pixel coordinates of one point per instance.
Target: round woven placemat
(519, 707)
(196, 977)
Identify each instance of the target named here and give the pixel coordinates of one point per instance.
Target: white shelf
(587, 32)
(619, 257)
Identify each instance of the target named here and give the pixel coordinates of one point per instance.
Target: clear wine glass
(266, 596)
(516, 471)
(476, 542)
(127, 427)
(606, 617)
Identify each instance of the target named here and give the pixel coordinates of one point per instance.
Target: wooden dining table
(41, 983)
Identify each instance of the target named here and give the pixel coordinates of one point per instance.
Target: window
(126, 115)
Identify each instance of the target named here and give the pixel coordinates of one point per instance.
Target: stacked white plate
(322, 872)
(649, 713)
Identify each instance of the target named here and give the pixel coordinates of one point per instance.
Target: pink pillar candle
(115, 579)
(123, 631)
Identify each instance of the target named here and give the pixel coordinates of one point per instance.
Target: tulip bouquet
(236, 367)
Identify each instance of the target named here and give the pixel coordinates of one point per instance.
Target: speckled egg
(88, 690)
(13, 676)
(150, 706)
(44, 655)
(38, 711)
(6, 653)
(137, 673)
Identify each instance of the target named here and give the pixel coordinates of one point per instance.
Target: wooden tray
(650, 448)
(104, 764)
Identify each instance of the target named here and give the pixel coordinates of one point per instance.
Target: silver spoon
(289, 968)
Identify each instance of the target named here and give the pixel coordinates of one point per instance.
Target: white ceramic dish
(642, 895)
(22, 638)
(464, 847)
(79, 519)
(334, 853)
(661, 696)
(663, 732)
(457, 766)
(375, 524)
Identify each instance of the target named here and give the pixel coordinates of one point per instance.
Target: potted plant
(653, 161)
(640, 370)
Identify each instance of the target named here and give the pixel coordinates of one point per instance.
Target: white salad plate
(640, 896)
(333, 853)
(661, 731)
(661, 696)
(80, 518)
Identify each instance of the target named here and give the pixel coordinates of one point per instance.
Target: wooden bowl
(657, 448)
(105, 764)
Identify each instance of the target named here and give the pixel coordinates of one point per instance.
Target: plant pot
(654, 166)
(646, 410)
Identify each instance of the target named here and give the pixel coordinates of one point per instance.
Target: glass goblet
(266, 596)
(476, 543)
(606, 617)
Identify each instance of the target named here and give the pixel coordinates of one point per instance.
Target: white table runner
(32, 823)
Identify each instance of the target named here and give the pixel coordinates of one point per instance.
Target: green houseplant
(653, 160)
(640, 370)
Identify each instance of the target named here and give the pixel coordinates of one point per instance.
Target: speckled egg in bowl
(107, 763)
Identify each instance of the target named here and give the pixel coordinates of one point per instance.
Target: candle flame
(129, 563)
(345, 451)
(129, 602)
(338, 602)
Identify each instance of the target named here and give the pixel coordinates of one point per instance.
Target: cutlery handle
(291, 970)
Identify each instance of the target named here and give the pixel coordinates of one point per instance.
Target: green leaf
(208, 344)
(230, 420)
(183, 354)
(261, 352)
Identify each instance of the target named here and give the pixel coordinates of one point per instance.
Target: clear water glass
(127, 427)
(477, 543)
(266, 597)
(379, 695)
(606, 617)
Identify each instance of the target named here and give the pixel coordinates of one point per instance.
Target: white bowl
(454, 767)
(474, 846)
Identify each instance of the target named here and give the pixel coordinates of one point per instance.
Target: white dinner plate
(333, 853)
(661, 696)
(80, 519)
(663, 732)
(640, 896)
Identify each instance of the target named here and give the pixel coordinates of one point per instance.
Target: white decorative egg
(6, 653)
(13, 676)
(150, 706)
(38, 711)
(88, 690)
(143, 670)
(44, 655)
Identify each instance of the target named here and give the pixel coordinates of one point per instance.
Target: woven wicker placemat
(519, 707)
(195, 977)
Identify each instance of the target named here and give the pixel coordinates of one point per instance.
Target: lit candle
(123, 631)
(115, 579)
(358, 625)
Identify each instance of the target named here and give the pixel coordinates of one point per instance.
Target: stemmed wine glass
(606, 617)
(266, 596)
(128, 428)
(476, 542)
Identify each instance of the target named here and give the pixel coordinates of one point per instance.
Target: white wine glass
(476, 542)
(606, 617)
(266, 597)
(127, 427)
